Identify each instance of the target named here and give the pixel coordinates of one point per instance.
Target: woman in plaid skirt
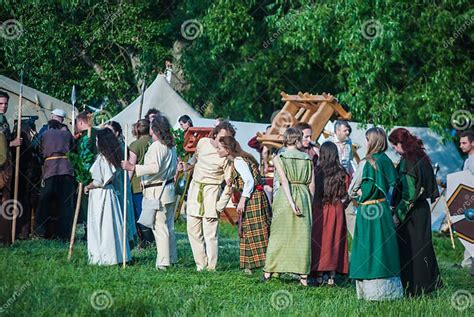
(253, 206)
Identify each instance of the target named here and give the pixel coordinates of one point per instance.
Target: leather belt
(55, 158)
(371, 202)
(169, 181)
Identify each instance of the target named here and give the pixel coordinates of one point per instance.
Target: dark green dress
(419, 268)
(374, 247)
(289, 247)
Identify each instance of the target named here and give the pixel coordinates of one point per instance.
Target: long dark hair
(330, 174)
(412, 146)
(162, 128)
(116, 126)
(231, 145)
(109, 146)
(186, 119)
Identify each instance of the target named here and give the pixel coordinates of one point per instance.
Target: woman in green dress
(417, 183)
(289, 246)
(374, 262)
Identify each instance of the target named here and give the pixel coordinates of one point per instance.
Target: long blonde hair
(376, 142)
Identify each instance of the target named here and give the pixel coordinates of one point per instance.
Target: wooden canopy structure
(316, 110)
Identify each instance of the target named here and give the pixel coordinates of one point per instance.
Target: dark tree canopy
(391, 62)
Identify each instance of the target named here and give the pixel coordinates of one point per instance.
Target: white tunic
(469, 164)
(104, 217)
(243, 170)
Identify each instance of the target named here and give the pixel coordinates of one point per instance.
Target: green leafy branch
(82, 161)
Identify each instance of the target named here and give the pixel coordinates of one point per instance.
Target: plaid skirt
(255, 231)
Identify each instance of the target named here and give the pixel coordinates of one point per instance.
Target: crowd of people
(297, 224)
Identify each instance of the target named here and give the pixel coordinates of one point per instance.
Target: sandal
(265, 277)
(331, 282)
(304, 281)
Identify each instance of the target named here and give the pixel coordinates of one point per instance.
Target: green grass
(36, 279)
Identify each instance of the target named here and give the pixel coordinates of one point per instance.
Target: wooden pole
(125, 184)
(17, 162)
(74, 224)
(76, 213)
(448, 216)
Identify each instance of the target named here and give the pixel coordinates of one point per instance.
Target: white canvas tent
(35, 103)
(161, 95)
(158, 95)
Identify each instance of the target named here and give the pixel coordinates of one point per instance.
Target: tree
(392, 63)
(105, 48)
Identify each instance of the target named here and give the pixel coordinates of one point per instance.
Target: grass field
(37, 280)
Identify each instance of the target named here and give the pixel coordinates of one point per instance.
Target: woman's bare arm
(286, 186)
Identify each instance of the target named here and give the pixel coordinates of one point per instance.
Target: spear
(33, 209)
(17, 160)
(141, 101)
(125, 181)
(73, 101)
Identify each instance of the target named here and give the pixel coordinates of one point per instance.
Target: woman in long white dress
(104, 214)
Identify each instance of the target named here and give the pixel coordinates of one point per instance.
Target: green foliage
(82, 161)
(392, 62)
(105, 48)
(179, 141)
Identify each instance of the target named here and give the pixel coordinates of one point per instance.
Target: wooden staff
(76, 213)
(17, 162)
(448, 216)
(125, 181)
(33, 210)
